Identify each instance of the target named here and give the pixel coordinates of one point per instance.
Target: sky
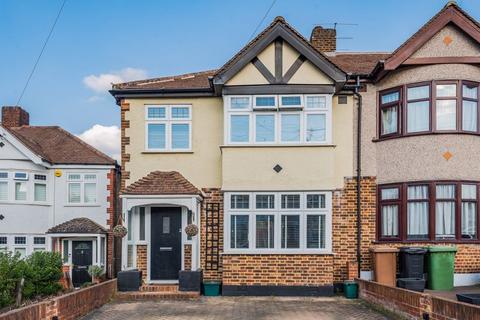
(97, 42)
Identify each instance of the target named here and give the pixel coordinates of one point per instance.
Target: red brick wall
(187, 257)
(344, 222)
(414, 305)
(124, 124)
(324, 39)
(211, 196)
(287, 269)
(66, 307)
(142, 260)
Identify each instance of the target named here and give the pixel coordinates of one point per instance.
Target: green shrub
(12, 269)
(42, 274)
(95, 271)
(41, 270)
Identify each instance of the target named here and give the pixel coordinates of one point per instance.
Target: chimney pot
(14, 116)
(323, 39)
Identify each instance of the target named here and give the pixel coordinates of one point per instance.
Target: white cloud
(105, 139)
(103, 82)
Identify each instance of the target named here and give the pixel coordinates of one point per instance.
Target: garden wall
(69, 306)
(415, 305)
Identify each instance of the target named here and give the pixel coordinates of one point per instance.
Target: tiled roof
(78, 225)
(198, 80)
(358, 63)
(161, 182)
(57, 146)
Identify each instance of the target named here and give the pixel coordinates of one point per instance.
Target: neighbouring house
(57, 193)
(263, 155)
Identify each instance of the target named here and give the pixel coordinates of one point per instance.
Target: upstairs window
(3, 186)
(284, 119)
(82, 188)
(168, 127)
(428, 107)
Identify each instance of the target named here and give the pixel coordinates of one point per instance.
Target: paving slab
(239, 308)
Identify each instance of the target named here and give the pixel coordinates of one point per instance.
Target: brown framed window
(443, 106)
(469, 107)
(389, 112)
(418, 108)
(469, 195)
(430, 211)
(417, 212)
(390, 203)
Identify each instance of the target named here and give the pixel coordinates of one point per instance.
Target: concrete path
(239, 308)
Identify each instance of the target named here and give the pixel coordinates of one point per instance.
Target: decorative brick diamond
(447, 155)
(447, 40)
(277, 168)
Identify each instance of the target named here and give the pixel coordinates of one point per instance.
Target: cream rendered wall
(304, 167)
(418, 157)
(202, 167)
(461, 45)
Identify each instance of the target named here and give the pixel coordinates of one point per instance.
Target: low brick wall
(68, 306)
(415, 305)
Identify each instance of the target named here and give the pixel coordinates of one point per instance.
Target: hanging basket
(191, 230)
(119, 231)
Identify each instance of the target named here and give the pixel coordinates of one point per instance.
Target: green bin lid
(442, 249)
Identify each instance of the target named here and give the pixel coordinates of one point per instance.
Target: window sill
(425, 134)
(284, 145)
(277, 252)
(427, 241)
(82, 205)
(40, 204)
(167, 152)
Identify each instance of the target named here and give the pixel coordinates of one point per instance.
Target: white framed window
(278, 222)
(82, 188)
(265, 102)
(3, 186)
(40, 188)
(283, 119)
(291, 101)
(168, 127)
(20, 191)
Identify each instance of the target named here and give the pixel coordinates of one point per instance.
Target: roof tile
(78, 225)
(161, 182)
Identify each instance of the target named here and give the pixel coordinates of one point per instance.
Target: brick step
(152, 296)
(159, 288)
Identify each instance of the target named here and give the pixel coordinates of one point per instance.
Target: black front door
(81, 260)
(166, 243)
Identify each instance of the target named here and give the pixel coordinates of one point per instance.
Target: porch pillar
(98, 250)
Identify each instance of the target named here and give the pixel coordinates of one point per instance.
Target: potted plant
(96, 272)
(119, 231)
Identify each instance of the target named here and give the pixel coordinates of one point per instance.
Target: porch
(82, 243)
(156, 211)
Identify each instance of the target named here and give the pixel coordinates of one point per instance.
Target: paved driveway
(239, 308)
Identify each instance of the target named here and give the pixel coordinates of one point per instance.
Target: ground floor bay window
(278, 222)
(428, 211)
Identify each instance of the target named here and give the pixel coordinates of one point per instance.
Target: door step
(153, 296)
(159, 288)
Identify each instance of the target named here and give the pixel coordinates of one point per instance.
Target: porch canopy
(142, 200)
(79, 229)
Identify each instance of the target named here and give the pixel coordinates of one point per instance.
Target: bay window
(284, 119)
(428, 211)
(429, 107)
(278, 222)
(168, 127)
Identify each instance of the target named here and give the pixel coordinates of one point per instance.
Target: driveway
(239, 308)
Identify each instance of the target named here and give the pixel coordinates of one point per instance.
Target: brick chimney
(323, 39)
(14, 117)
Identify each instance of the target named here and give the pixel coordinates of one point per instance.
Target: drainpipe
(359, 173)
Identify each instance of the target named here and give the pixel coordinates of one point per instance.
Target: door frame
(148, 237)
(70, 252)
